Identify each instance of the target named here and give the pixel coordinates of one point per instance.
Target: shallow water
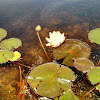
(73, 17)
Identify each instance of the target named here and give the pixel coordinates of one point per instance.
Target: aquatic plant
(70, 50)
(16, 56)
(6, 47)
(3, 33)
(5, 55)
(94, 76)
(56, 39)
(50, 79)
(10, 44)
(83, 64)
(94, 35)
(69, 95)
(38, 28)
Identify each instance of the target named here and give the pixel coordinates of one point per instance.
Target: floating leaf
(17, 56)
(83, 64)
(50, 80)
(94, 75)
(69, 95)
(11, 43)
(71, 49)
(94, 35)
(3, 33)
(5, 55)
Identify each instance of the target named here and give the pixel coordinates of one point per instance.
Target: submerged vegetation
(54, 80)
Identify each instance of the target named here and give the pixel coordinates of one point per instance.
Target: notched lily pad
(5, 55)
(94, 35)
(71, 49)
(3, 33)
(83, 64)
(11, 43)
(50, 80)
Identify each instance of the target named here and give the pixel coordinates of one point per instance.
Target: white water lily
(56, 39)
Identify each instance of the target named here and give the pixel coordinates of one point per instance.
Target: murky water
(75, 18)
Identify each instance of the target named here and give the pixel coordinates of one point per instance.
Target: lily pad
(11, 43)
(94, 75)
(69, 95)
(5, 55)
(50, 80)
(3, 33)
(16, 56)
(83, 64)
(94, 35)
(70, 50)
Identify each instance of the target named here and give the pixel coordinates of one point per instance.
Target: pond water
(75, 18)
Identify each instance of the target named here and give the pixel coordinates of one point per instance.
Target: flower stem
(43, 47)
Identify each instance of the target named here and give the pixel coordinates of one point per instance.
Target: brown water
(73, 17)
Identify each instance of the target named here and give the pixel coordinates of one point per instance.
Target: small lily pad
(83, 64)
(94, 35)
(3, 33)
(70, 50)
(50, 80)
(94, 75)
(11, 43)
(69, 95)
(5, 55)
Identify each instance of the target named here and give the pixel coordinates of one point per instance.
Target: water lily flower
(56, 39)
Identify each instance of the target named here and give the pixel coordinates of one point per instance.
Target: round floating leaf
(69, 95)
(50, 80)
(3, 33)
(5, 55)
(94, 75)
(94, 35)
(83, 64)
(11, 43)
(71, 49)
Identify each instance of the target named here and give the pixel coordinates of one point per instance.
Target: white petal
(48, 39)
(48, 44)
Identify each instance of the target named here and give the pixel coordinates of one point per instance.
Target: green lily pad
(11, 43)
(50, 80)
(70, 50)
(94, 75)
(5, 55)
(94, 35)
(69, 95)
(83, 64)
(3, 33)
